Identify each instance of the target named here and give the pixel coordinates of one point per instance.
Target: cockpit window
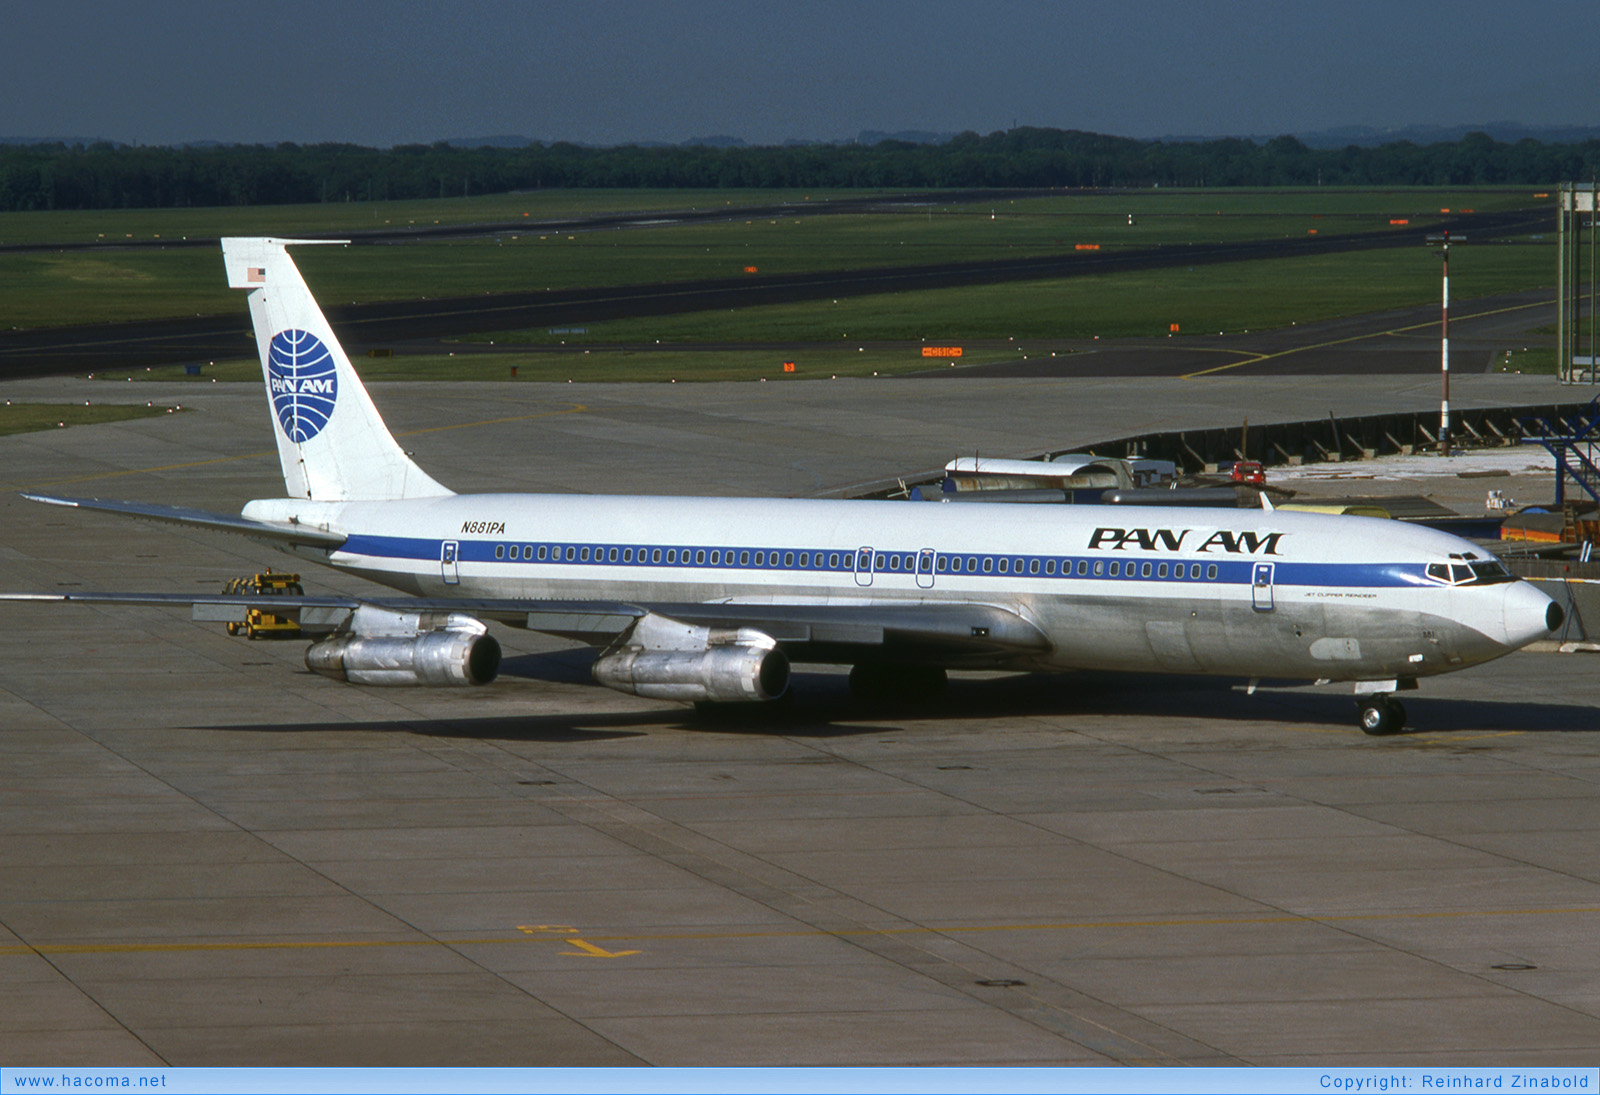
(1478, 572)
(1491, 571)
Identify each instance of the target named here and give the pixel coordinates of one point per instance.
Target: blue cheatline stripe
(721, 558)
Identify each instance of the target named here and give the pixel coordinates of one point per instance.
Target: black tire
(1378, 716)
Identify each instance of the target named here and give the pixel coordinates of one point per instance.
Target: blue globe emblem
(303, 383)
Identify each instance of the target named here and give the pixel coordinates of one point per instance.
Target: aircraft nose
(1529, 614)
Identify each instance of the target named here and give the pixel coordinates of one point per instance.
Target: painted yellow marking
(592, 951)
(953, 929)
(1359, 338)
(557, 929)
(576, 408)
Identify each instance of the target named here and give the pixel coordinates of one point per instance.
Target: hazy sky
(615, 71)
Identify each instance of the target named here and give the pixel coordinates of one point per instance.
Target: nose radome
(1529, 614)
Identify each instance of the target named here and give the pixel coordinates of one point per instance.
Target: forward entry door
(1261, 587)
(449, 553)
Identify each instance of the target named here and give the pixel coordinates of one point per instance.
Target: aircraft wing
(980, 633)
(284, 535)
(977, 633)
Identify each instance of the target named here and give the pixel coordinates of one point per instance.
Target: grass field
(31, 417)
(1201, 300)
(663, 366)
(49, 289)
(324, 218)
(1536, 360)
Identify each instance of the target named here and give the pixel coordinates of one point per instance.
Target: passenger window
(1194, 571)
(583, 555)
(1099, 567)
(572, 553)
(788, 558)
(611, 556)
(761, 558)
(1161, 571)
(1144, 571)
(988, 564)
(672, 556)
(943, 564)
(1033, 566)
(1049, 566)
(700, 557)
(716, 557)
(1083, 567)
(1211, 572)
(541, 553)
(805, 560)
(499, 551)
(655, 555)
(1005, 566)
(833, 560)
(744, 558)
(882, 562)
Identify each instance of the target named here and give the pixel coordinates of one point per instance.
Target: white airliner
(711, 599)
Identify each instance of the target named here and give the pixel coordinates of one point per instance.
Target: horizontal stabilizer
(282, 534)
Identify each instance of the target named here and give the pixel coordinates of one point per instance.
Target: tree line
(107, 176)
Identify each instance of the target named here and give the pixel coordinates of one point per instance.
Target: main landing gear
(1381, 714)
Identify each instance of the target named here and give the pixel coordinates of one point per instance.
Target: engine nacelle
(666, 660)
(440, 658)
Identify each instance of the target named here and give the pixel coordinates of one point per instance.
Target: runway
(209, 856)
(66, 350)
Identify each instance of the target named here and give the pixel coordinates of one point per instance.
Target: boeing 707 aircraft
(712, 599)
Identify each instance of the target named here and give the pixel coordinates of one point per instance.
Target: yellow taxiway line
(587, 943)
(1254, 358)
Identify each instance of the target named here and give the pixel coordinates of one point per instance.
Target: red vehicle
(1248, 471)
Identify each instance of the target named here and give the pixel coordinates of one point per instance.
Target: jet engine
(666, 660)
(399, 648)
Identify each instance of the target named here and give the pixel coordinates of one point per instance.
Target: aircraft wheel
(1381, 715)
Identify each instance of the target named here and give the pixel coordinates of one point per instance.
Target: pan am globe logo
(303, 383)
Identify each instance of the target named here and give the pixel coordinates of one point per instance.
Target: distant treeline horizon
(108, 176)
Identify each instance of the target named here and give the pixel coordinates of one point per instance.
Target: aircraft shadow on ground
(823, 707)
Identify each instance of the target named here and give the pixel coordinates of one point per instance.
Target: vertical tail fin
(331, 440)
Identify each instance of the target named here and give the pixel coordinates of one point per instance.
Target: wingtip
(48, 499)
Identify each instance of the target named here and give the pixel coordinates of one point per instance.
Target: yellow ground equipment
(259, 623)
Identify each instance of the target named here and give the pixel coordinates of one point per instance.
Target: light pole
(1444, 342)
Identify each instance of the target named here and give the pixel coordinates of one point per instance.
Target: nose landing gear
(1381, 715)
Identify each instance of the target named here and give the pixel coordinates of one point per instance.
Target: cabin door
(925, 568)
(1261, 587)
(449, 553)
